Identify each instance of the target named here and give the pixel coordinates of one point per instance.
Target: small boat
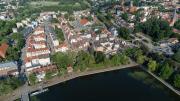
(39, 92)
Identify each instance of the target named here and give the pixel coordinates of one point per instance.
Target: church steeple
(131, 3)
(174, 17)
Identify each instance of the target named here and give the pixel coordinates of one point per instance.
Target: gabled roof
(83, 21)
(3, 49)
(9, 64)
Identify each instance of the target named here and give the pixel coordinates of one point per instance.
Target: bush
(177, 80)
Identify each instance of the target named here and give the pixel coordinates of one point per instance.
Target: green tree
(49, 75)
(124, 33)
(54, 20)
(9, 84)
(62, 60)
(32, 78)
(66, 16)
(125, 16)
(166, 71)
(136, 2)
(116, 60)
(176, 56)
(139, 57)
(71, 18)
(90, 18)
(177, 80)
(59, 33)
(119, 59)
(156, 28)
(99, 57)
(152, 65)
(177, 24)
(84, 59)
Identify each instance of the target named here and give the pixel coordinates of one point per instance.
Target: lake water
(121, 85)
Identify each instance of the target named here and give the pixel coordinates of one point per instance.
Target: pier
(25, 97)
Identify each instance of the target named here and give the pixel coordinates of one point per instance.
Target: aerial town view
(89, 50)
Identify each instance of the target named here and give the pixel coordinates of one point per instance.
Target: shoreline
(67, 77)
(57, 80)
(163, 82)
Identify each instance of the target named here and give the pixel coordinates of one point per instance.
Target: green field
(44, 3)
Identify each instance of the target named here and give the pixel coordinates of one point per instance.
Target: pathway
(162, 81)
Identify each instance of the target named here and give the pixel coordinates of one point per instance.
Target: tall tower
(174, 17)
(131, 3)
(122, 5)
(17, 4)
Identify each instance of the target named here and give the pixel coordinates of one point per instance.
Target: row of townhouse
(106, 42)
(42, 60)
(37, 52)
(8, 68)
(74, 38)
(54, 42)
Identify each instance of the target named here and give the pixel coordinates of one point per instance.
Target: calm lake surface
(121, 85)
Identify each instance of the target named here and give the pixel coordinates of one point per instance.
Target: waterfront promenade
(56, 80)
(162, 81)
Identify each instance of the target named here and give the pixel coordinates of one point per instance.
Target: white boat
(39, 92)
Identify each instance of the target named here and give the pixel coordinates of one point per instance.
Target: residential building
(41, 60)
(8, 68)
(3, 50)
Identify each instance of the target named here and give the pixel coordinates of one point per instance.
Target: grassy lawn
(66, 5)
(44, 3)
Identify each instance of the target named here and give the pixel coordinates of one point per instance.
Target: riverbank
(110, 86)
(162, 81)
(56, 80)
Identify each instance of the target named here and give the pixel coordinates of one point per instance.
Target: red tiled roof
(83, 21)
(39, 35)
(29, 59)
(3, 49)
(35, 50)
(46, 68)
(62, 45)
(105, 31)
(39, 29)
(133, 9)
(176, 30)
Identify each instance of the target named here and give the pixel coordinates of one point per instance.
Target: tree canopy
(9, 84)
(99, 57)
(59, 33)
(125, 16)
(176, 56)
(62, 60)
(84, 59)
(158, 29)
(177, 24)
(119, 59)
(177, 80)
(152, 65)
(124, 33)
(166, 71)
